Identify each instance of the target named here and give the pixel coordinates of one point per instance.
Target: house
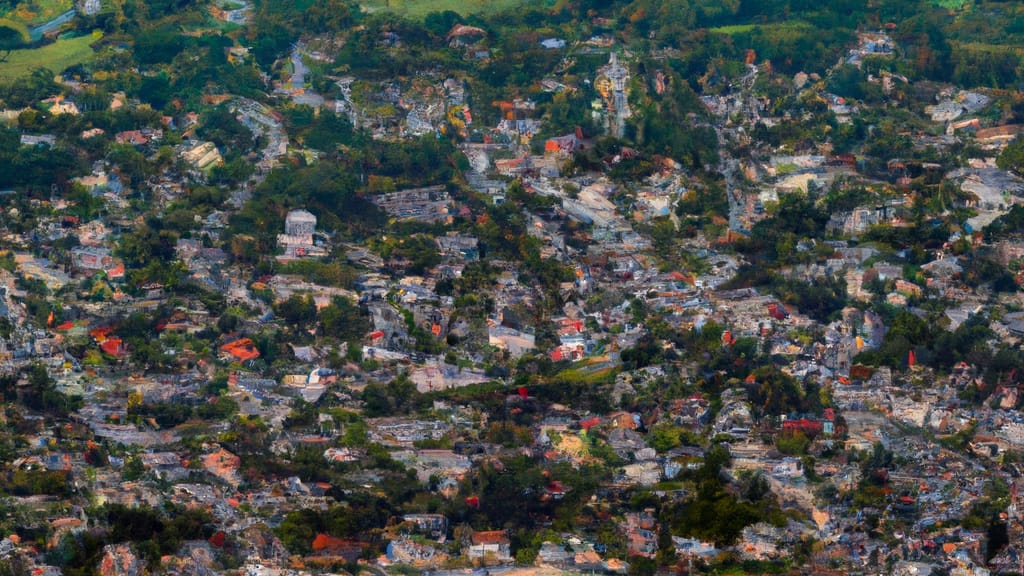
(429, 204)
(433, 376)
(113, 346)
(998, 134)
(409, 551)
(92, 258)
(58, 105)
(243, 349)
(299, 222)
(89, 7)
(562, 145)
(327, 545)
(343, 454)
(461, 35)
(908, 288)
(138, 137)
(516, 342)
(164, 464)
(202, 155)
(223, 465)
(641, 531)
(433, 525)
(490, 545)
(38, 140)
(943, 267)
(461, 247)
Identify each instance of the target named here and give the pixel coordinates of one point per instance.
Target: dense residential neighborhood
(637, 288)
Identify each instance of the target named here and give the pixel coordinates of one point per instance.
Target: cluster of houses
(620, 286)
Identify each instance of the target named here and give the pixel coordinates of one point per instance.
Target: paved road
(38, 32)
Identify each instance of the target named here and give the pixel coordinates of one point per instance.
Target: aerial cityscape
(519, 287)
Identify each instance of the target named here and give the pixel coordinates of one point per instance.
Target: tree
(1012, 157)
(13, 35)
(132, 469)
(220, 126)
(343, 320)
(664, 437)
(298, 310)
(41, 394)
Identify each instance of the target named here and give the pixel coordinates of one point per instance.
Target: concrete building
(299, 222)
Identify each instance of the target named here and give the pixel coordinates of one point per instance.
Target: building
(516, 342)
(92, 257)
(202, 155)
(297, 239)
(433, 525)
(490, 544)
(299, 222)
(38, 140)
(89, 7)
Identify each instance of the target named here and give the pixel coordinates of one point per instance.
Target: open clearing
(55, 57)
(36, 12)
(745, 28)
(418, 9)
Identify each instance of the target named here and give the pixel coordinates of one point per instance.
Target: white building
(297, 239)
(299, 222)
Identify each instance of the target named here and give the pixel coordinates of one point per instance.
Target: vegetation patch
(57, 56)
(37, 12)
(747, 28)
(418, 9)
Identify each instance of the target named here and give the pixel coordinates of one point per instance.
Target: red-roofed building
(116, 273)
(680, 277)
(491, 544)
(113, 346)
(244, 349)
(326, 545)
(809, 427)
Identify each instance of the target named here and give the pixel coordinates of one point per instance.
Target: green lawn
(418, 9)
(56, 57)
(744, 28)
(36, 12)
(734, 29)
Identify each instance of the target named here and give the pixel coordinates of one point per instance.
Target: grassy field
(56, 57)
(420, 8)
(35, 12)
(744, 28)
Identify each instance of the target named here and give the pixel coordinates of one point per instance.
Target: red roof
(244, 349)
(680, 277)
(803, 425)
(100, 334)
(217, 540)
(325, 542)
(113, 346)
(490, 537)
